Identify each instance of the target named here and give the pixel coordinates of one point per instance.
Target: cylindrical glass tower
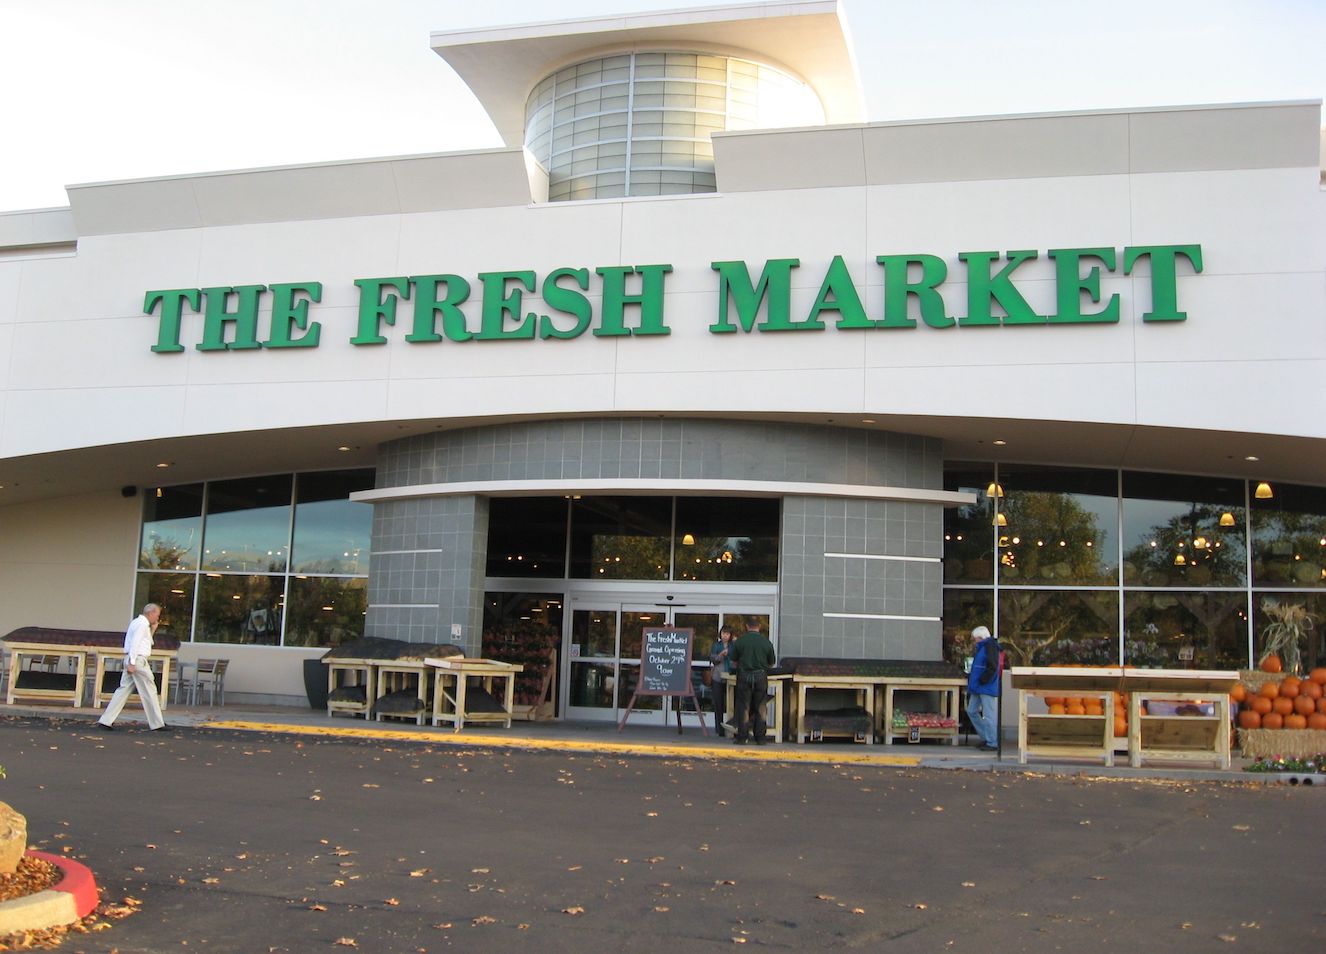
(639, 123)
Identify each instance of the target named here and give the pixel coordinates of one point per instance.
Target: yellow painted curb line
(747, 753)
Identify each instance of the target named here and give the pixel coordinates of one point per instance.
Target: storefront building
(867, 384)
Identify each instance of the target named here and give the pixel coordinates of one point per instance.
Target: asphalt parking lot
(244, 842)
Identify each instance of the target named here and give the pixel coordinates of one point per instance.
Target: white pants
(140, 679)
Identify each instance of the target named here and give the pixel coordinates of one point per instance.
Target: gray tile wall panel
(811, 584)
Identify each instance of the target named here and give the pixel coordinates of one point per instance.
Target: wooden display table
(950, 696)
(345, 680)
(165, 657)
(875, 683)
(864, 687)
(1075, 736)
(76, 645)
(1189, 733)
(45, 686)
(456, 703)
(404, 678)
(353, 671)
(776, 683)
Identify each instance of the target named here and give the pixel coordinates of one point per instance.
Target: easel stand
(690, 694)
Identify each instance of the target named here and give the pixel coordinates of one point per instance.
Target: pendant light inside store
(1264, 491)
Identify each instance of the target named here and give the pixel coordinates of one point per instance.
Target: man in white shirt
(137, 673)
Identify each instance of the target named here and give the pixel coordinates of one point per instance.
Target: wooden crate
(1179, 738)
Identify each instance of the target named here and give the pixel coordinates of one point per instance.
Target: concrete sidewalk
(646, 740)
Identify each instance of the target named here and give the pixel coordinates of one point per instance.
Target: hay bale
(1296, 743)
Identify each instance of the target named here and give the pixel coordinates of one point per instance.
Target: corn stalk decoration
(1286, 632)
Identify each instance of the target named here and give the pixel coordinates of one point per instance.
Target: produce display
(922, 720)
(1269, 700)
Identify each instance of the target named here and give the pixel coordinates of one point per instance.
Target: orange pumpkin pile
(1091, 706)
(1291, 703)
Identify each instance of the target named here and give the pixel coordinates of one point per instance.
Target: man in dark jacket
(751, 658)
(983, 688)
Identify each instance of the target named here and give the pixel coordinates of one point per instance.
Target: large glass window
(621, 538)
(248, 524)
(726, 539)
(332, 532)
(246, 590)
(1043, 627)
(1289, 536)
(969, 539)
(1183, 531)
(1177, 629)
(524, 628)
(1179, 567)
(527, 537)
(240, 608)
(1058, 527)
(325, 610)
(172, 528)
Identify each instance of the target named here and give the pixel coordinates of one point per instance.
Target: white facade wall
(78, 376)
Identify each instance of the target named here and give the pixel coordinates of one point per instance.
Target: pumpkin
(1305, 706)
(1317, 720)
(1260, 705)
(1271, 663)
(1321, 705)
(1075, 710)
(1318, 675)
(1270, 690)
(1057, 708)
(1289, 686)
(1273, 720)
(1310, 689)
(1282, 705)
(1250, 720)
(1054, 700)
(1121, 726)
(1239, 692)
(1296, 722)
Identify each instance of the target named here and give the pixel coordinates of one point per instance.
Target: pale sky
(98, 90)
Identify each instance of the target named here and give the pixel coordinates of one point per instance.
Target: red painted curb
(77, 880)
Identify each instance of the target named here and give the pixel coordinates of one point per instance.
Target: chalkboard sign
(665, 669)
(665, 662)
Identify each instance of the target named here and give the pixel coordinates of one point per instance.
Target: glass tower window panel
(1179, 629)
(969, 540)
(1060, 526)
(527, 537)
(964, 610)
(621, 538)
(665, 90)
(173, 592)
(332, 532)
(1175, 534)
(1278, 608)
(172, 528)
(726, 539)
(1042, 627)
(325, 611)
(240, 608)
(1289, 537)
(248, 524)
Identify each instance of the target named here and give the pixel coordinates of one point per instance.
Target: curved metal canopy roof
(502, 65)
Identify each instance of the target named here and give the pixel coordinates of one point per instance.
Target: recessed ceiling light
(867, 420)
(1000, 443)
(164, 464)
(343, 448)
(1252, 458)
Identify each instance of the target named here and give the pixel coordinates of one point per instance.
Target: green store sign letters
(746, 302)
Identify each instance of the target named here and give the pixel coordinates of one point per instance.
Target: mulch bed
(33, 875)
